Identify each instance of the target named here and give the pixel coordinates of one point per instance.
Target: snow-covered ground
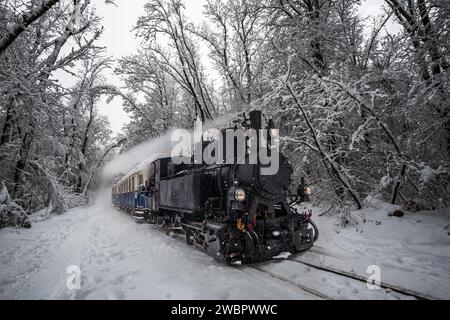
(412, 251)
(122, 259)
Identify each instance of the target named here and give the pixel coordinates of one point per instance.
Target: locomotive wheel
(316, 230)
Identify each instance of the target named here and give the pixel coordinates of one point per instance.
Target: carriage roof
(142, 165)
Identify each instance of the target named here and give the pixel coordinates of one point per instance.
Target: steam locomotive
(231, 210)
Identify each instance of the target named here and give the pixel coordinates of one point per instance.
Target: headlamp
(307, 190)
(240, 195)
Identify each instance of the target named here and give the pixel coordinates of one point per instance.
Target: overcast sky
(119, 40)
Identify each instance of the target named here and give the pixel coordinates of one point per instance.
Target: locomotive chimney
(256, 124)
(255, 119)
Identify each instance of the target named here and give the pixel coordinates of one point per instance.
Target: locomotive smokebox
(255, 119)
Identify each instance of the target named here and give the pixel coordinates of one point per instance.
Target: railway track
(295, 284)
(354, 276)
(344, 274)
(327, 269)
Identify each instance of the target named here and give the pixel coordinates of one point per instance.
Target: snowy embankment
(121, 259)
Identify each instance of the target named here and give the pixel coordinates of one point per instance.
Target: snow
(120, 258)
(427, 174)
(283, 255)
(412, 251)
(4, 194)
(11, 214)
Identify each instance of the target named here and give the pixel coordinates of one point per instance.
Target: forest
(363, 111)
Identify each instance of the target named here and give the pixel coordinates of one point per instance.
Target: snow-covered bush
(11, 214)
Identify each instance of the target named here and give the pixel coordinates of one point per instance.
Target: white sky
(119, 40)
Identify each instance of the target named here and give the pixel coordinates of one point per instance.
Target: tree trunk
(21, 163)
(84, 144)
(6, 126)
(398, 183)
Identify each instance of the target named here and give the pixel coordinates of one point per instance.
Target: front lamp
(240, 195)
(307, 190)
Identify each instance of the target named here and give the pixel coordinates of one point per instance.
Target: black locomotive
(231, 210)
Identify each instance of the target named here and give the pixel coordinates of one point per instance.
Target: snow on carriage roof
(142, 164)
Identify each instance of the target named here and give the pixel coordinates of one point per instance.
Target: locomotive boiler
(230, 209)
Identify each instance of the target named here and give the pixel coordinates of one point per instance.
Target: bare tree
(234, 35)
(166, 18)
